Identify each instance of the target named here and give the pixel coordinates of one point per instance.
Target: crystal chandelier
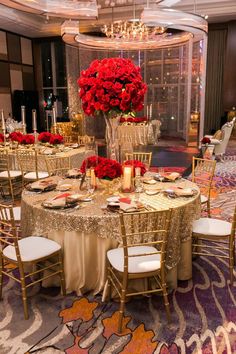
(131, 30)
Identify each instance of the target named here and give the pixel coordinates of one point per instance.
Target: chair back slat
(28, 161)
(144, 157)
(143, 229)
(57, 165)
(202, 173)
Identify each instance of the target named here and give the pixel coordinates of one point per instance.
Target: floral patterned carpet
(203, 308)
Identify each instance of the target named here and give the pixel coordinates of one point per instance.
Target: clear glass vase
(112, 141)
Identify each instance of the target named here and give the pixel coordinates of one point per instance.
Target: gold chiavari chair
(57, 165)
(85, 139)
(202, 174)
(217, 235)
(144, 157)
(142, 255)
(67, 139)
(32, 250)
(10, 180)
(28, 162)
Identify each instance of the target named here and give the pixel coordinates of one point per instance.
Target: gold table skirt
(86, 234)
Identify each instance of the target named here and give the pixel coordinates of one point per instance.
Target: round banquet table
(87, 233)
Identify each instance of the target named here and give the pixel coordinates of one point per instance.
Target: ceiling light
(60, 8)
(133, 29)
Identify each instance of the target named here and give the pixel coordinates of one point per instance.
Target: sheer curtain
(214, 78)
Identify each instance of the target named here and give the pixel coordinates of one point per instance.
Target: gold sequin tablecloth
(87, 233)
(76, 157)
(136, 134)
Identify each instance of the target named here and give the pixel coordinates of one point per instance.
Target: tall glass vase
(112, 124)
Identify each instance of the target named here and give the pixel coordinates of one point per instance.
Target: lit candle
(3, 122)
(93, 178)
(127, 178)
(34, 120)
(138, 171)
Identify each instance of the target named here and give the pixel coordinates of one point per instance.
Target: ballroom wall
(16, 67)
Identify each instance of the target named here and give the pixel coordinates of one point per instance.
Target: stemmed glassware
(161, 174)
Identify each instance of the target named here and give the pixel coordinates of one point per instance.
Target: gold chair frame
(85, 139)
(57, 165)
(224, 242)
(204, 180)
(144, 157)
(13, 184)
(153, 225)
(28, 162)
(8, 236)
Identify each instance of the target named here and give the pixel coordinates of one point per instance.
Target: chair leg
(24, 298)
(1, 275)
(122, 309)
(231, 266)
(108, 292)
(166, 302)
(62, 274)
(209, 208)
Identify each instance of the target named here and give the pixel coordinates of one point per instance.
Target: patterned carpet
(203, 309)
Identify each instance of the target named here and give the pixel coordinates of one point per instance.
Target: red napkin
(125, 200)
(64, 195)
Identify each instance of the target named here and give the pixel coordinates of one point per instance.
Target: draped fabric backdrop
(214, 78)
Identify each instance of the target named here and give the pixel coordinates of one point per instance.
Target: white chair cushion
(16, 213)
(13, 174)
(32, 248)
(32, 175)
(214, 227)
(139, 264)
(204, 199)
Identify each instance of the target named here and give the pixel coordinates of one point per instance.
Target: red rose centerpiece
(1, 138)
(27, 139)
(108, 169)
(16, 136)
(206, 140)
(44, 137)
(91, 161)
(56, 139)
(112, 87)
(136, 163)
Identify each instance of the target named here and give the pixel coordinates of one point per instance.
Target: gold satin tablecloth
(87, 233)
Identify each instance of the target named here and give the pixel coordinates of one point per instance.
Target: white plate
(114, 199)
(150, 181)
(114, 203)
(64, 187)
(152, 192)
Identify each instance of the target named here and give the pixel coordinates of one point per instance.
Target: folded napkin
(172, 176)
(58, 201)
(73, 172)
(183, 192)
(128, 205)
(47, 151)
(43, 185)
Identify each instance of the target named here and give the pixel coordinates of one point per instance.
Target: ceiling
(13, 16)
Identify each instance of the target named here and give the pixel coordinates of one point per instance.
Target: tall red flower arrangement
(111, 85)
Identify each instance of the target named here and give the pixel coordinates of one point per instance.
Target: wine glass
(161, 174)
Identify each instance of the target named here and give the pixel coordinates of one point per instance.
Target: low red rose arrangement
(27, 139)
(91, 161)
(104, 168)
(1, 138)
(16, 136)
(136, 163)
(111, 85)
(108, 169)
(206, 140)
(133, 119)
(53, 139)
(20, 138)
